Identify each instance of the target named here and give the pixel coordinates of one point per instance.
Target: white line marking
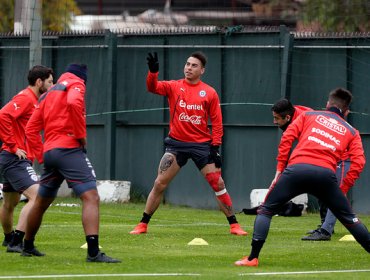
(304, 272)
(99, 275)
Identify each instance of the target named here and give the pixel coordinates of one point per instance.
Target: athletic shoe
(101, 257)
(32, 252)
(140, 228)
(245, 262)
(318, 235)
(313, 230)
(237, 230)
(5, 243)
(15, 248)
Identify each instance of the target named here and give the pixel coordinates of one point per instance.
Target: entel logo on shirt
(331, 124)
(183, 104)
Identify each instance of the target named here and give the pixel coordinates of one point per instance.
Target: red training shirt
(323, 137)
(190, 108)
(299, 110)
(61, 114)
(13, 120)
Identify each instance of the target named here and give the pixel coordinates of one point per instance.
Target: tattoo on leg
(166, 163)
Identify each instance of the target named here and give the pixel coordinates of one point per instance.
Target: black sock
(92, 245)
(8, 237)
(232, 220)
(17, 238)
(324, 231)
(146, 218)
(28, 244)
(256, 248)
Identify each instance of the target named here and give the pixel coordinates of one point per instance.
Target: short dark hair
(283, 107)
(340, 98)
(39, 72)
(201, 56)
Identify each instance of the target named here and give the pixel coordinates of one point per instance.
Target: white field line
(100, 275)
(303, 272)
(132, 225)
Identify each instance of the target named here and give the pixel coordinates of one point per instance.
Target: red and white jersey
(323, 138)
(13, 120)
(61, 114)
(191, 106)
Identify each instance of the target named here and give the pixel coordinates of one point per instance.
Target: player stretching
(192, 103)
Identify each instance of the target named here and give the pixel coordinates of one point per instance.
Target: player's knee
(8, 207)
(160, 185)
(215, 181)
(90, 196)
(9, 204)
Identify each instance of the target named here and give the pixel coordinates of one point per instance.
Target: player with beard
(323, 137)
(192, 103)
(284, 113)
(16, 156)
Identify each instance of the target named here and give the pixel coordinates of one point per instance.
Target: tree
(336, 15)
(56, 15)
(6, 15)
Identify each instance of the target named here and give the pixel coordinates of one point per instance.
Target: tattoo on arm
(166, 163)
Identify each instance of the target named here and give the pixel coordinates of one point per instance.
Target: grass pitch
(163, 253)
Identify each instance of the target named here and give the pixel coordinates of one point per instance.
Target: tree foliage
(6, 15)
(56, 14)
(337, 15)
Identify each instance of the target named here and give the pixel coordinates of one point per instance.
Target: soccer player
(192, 103)
(284, 113)
(323, 137)
(61, 115)
(16, 157)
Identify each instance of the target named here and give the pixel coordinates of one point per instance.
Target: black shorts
(198, 152)
(69, 164)
(18, 174)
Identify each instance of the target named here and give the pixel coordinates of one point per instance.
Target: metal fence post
(287, 40)
(110, 121)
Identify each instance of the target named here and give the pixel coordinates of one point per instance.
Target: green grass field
(163, 253)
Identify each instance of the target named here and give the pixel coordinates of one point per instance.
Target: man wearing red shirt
(284, 113)
(192, 103)
(61, 115)
(323, 137)
(16, 155)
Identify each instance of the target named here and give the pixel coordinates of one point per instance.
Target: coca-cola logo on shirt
(194, 119)
(331, 124)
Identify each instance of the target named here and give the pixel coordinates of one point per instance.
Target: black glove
(215, 156)
(153, 62)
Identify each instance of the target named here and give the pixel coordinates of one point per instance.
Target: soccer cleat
(15, 248)
(317, 236)
(102, 257)
(140, 228)
(5, 243)
(237, 230)
(32, 252)
(313, 230)
(245, 262)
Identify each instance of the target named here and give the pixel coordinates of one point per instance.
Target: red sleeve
(292, 133)
(9, 114)
(33, 136)
(357, 157)
(216, 120)
(76, 109)
(155, 86)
